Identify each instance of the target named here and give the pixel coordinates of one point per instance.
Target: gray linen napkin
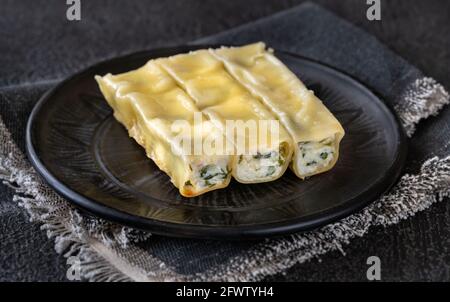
(110, 252)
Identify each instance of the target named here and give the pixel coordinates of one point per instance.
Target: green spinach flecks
(270, 170)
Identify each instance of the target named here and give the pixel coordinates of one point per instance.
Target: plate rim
(255, 231)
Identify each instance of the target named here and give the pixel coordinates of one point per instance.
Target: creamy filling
(314, 156)
(207, 175)
(260, 166)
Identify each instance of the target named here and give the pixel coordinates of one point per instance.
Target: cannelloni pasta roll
(148, 102)
(264, 154)
(314, 129)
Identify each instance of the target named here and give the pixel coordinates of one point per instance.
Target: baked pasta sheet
(212, 114)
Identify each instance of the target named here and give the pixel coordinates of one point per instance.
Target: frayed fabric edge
(69, 229)
(422, 99)
(412, 194)
(425, 97)
(68, 241)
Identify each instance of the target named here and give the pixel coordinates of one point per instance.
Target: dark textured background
(416, 249)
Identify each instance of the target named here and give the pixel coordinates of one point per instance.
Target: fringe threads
(107, 251)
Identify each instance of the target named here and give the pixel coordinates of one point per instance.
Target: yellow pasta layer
(260, 157)
(170, 105)
(148, 102)
(314, 129)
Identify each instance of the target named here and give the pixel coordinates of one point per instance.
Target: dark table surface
(417, 249)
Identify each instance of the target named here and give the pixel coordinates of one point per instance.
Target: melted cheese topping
(223, 99)
(148, 102)
(246, 84)
(299, 110)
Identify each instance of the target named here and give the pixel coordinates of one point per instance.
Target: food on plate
(148, 102)
(264, 155)
(315, 131)
(212, 114)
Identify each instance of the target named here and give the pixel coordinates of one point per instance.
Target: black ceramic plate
(85, 155)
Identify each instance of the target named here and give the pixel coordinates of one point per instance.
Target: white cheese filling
(314, 156)
(206, 175)
(261, 166)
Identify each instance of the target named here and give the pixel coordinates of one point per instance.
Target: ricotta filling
(260, 166)
(207, 175)
(314, 156)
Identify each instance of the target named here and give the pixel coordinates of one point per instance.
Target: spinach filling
(270, 170)
(316, 154)
(262, 164)
(259, 155)
(212, 174)
(311, 163)
(272, 154)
